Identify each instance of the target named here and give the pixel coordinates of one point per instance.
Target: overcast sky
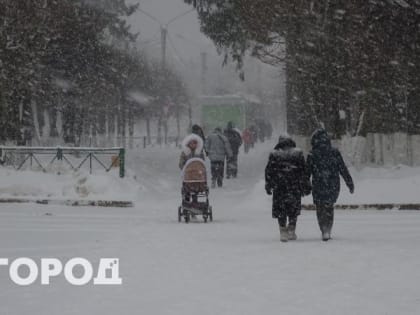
(185, 39)
(186, 42)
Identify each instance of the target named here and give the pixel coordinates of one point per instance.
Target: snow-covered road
(235, 265)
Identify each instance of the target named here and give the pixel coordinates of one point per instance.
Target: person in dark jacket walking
(325, 165)
(235, 140)
(286, 180)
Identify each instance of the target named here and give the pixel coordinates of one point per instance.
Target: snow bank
(69, 185)
(383, 185)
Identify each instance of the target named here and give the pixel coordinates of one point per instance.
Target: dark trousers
(232, 166)
(286, 208)
(283, 220)
(217, 172)
(325, 216)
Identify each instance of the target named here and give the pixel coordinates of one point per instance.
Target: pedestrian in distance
(196, 129)
(234, 137)
(247, 139)
(254, 134)
(285, 179)
(218, 150)
(325, 165)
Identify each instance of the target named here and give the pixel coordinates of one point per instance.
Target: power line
(179, 16)
(164, 30)
(178, 55)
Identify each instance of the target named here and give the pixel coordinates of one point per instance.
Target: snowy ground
(235, 265)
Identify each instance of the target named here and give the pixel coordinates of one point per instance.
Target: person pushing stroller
(194, 180)
(192, 147)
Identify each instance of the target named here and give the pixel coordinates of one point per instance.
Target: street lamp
(164, 30)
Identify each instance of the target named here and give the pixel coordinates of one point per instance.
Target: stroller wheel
(179, 214)
(211, 213)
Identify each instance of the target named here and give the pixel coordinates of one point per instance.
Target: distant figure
(196, 129)
(261, 130)
(235, 140)
(325, 164)
(218, 149)
(247, 139)
(286, 180)
(269, 130)
(254, 134)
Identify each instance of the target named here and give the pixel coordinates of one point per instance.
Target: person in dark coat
(286, 180)
(196, 129)
(235, 140)
(325, 165)
(254, 134)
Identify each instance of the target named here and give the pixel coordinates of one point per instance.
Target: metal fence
(44, 157)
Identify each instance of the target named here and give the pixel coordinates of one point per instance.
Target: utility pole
(164, 35)
(204, 73)
(164, 30)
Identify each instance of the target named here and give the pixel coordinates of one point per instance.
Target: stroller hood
(194, 171)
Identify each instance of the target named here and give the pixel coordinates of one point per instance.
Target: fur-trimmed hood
(188, 139)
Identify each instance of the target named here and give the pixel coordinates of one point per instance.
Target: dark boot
(284, 235)
(291, 230)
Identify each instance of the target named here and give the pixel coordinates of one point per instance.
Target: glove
(306, 188)
(351, 189)
(268, 190)
(306, 191)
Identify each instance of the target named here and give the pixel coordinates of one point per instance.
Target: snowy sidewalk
(235, 265)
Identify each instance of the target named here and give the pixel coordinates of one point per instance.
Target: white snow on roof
(139, 97)
(228, 98)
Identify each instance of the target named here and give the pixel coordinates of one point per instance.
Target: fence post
(59, 154)
(122, 162)
(90, 163)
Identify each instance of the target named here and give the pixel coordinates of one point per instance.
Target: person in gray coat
(218, 150)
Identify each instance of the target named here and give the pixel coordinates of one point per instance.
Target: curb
(370, 206)
(74, 203)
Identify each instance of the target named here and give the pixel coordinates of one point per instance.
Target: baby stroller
(195, 192)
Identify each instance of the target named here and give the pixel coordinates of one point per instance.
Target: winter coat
(187, 154)
(234, 138)
(325, 164)
(217, 147)
(285, 173)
